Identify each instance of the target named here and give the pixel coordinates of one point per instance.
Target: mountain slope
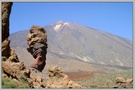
(69, 40)
(90, 45)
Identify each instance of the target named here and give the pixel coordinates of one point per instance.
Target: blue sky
(112, 17)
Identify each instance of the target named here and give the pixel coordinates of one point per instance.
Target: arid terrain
(99, 80)
(77, 57)
(95, 64)
(76, 76)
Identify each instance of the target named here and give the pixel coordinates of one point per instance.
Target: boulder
(57, 79)
(120, 80)
(123, 83)
(129, 83)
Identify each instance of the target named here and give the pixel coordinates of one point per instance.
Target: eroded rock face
(6, 48)
(123, 83)
(18, 71)
(13, 69)
(120, 80)
(37, 46)
(36, 79)
(8, 53)
(6, 10)
(57, 79)
(129, 83)
(37, 39)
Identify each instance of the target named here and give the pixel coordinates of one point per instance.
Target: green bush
(9, 83)
(23, 86)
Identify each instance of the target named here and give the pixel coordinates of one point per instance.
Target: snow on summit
(59, 24)
(56, 27)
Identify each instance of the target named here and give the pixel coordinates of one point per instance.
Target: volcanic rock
(6, 10)
(60, 80)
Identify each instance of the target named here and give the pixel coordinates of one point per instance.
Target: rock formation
(6, 48)
(37, 46)
(57, 79)
(6, 10)
(35, 79)
(14, 69)
(37, 39)
(123, 83)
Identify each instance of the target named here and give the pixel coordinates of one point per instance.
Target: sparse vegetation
(106, 80)
(9, 83)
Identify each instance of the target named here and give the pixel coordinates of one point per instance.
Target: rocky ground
(82, 75)
(97, 79)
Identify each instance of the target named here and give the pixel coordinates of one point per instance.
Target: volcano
(76, 47)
